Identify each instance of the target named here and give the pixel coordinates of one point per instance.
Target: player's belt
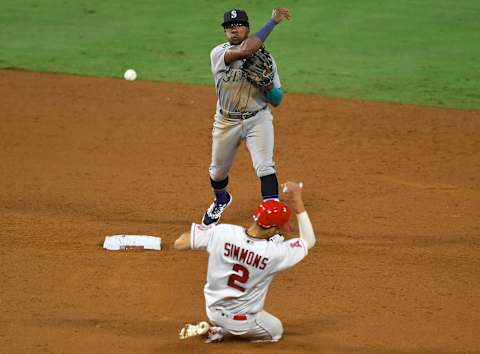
(239, 115)
(237, 317)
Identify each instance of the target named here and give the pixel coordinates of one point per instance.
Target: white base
(125, 242)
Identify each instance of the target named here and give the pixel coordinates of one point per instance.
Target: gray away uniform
(236, 94)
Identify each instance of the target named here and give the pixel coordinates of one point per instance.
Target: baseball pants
(261, 327)
(259, 138)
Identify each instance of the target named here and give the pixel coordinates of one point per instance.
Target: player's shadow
(308, 326)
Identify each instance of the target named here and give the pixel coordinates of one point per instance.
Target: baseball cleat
(190, 330)
(214, 212)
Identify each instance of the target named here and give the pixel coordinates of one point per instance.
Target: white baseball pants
(261, 327)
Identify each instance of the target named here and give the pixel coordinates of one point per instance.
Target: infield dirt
(393, 192)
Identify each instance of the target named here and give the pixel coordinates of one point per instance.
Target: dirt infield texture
(393, 192)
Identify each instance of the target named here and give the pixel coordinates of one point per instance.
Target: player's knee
(277, 331)
(218, 173)
(264, 170)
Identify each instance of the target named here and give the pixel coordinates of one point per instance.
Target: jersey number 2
(241, 277)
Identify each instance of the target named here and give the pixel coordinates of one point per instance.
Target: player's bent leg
(263, 327)
(218, 173)
(225, 141)
(268, 328)
(260, 143)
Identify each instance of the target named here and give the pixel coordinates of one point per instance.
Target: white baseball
(130, 75)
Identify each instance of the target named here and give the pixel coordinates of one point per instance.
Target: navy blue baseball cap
(235, 16)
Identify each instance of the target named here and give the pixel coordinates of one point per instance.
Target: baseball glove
(258, 68)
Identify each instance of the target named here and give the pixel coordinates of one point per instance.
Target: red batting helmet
(273, 213)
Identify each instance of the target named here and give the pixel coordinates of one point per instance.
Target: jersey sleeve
(276, 77)
(289, 253)
(201, 236)
(217, 58)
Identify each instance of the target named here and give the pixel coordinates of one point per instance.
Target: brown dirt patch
(393, 191)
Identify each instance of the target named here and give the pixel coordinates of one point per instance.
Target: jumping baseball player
(241, 265)
(243, 107)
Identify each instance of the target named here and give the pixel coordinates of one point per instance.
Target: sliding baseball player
(241, 265)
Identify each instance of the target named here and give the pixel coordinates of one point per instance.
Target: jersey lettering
(234, 75)
(256, 261)
(227, 249)
(250, 257)
(245, 256)
(241, 278)
(264, 263)
(236, 251)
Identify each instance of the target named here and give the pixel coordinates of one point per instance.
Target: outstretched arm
(183, 242)
(251, 44)
(295, 201)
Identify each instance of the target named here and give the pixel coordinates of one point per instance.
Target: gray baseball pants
(227, 135)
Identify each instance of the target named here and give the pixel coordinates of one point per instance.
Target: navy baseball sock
(219, 188)
(269, 185)
(221, 196)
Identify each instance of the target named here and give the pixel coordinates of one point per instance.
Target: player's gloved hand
(293, 192)
(258, 68)
(279, 14)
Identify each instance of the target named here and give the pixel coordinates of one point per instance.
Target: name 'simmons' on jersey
(245, 256)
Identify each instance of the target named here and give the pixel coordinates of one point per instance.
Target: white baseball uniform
(240, 270)
(236, 94)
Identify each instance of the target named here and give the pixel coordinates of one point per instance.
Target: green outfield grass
(425, 52)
